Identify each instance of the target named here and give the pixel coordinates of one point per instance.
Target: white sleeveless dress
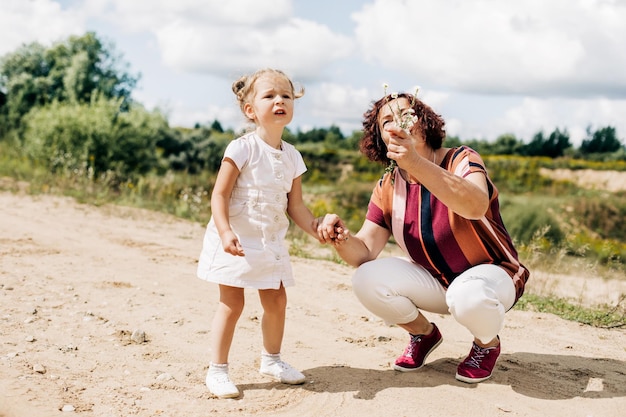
(258, 217)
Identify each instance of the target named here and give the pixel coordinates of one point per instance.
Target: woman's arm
(365, 246)
(468, 197)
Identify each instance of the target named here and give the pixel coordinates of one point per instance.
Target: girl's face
(272, 101)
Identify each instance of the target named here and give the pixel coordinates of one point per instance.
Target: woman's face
(390, 112)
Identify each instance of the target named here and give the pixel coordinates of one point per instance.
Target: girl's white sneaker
(218, 382)
(281, 371)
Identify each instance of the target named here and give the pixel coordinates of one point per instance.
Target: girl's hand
(331, 229)
(231, 244)
(341, 236)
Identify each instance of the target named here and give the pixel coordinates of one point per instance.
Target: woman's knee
(366, 280)
(380, 294)
(483, 288)
(469, 298)
(473, 298)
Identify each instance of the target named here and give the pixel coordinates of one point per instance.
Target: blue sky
(488, 67)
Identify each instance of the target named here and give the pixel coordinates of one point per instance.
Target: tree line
(68, 107)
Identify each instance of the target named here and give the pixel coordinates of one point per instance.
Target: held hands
(231, 244)
(331, 229)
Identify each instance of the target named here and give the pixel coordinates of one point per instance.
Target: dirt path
(76, 281)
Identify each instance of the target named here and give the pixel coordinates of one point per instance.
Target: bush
(530, 219)
(93, 139)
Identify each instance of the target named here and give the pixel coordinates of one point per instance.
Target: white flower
(405, 120)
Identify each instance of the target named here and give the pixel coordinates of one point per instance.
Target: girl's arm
(299, 212)
(220, 199)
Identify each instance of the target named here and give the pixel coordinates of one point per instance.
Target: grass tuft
(603, 316)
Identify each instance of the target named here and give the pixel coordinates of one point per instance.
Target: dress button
(278, 257)
(276, 218)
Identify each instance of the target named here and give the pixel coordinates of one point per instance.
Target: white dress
(258, 217)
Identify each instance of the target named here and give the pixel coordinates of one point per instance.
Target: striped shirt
(435, 237)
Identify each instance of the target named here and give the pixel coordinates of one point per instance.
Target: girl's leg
(222, 331)
(274, 304)
(223, 328)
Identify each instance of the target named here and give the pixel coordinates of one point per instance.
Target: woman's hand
(331, 229)
(401, 146)
(468, 197)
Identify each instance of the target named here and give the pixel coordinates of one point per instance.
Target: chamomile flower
(404, 120)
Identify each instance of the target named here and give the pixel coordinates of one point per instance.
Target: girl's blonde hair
(244, 86)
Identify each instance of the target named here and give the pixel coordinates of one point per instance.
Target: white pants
(395, 289)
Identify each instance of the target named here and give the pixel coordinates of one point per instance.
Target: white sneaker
(283, 372)
(220, 385)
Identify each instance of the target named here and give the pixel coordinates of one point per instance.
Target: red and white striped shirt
(438, 239)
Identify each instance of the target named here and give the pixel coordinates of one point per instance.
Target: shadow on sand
(550, 377)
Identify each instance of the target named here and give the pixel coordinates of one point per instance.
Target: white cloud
(150, 15)
(489, 67)
(533, 115)
(301, 48)
(575, 115)
(227, 38)
(338, 102)
(564, 47)
(43, 21)
(227, 116)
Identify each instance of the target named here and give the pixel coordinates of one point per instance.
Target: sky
(489, 67)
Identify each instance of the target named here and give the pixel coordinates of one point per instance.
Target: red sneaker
(478, 365)
(417, 351)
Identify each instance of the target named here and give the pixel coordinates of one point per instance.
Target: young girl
(259, 179)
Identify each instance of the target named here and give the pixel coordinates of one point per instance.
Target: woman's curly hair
(431, 125)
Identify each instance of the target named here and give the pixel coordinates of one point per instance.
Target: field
(77, 280)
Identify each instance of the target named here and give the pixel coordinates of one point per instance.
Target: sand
(81, 285)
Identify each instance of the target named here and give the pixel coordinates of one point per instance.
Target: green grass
(188, 196)
(603, 316)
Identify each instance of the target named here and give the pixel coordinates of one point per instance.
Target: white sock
(218, 368)
(269, 359)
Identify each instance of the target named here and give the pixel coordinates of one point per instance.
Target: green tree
(314, 136)
(603, 140)
(553, 146)
(334, 137)
(217, 126)
(74, 70)
(506, 144)
(4, 128)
